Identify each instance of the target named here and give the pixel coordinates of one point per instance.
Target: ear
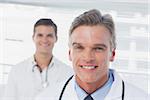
(112, 56)
(32, 37)
(56, 38)
(70, 55)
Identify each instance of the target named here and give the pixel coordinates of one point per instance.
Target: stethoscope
(65, 85)
(45, 82)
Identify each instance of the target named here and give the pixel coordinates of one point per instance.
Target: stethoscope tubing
(65, 85)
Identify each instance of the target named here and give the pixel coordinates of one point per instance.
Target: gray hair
(94, 17)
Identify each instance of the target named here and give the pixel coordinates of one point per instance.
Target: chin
(46, 53)
(89, 80)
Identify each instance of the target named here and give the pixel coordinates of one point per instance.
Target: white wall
(16, 27)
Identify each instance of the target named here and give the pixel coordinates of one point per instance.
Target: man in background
(33, 76)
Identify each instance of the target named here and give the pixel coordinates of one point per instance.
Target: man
(92, 44)
(33, 76)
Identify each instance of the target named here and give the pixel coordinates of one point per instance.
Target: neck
(92, 87)
(42, 60)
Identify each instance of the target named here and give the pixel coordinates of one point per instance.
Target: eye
(50, 35)
(99, 49)
(39, 35)
(78, 47)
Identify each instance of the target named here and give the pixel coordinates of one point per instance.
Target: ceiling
(72, 3)
(117, 5)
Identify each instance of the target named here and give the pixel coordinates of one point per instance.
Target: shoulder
(22, 66)
(134, 93)
(132, 90)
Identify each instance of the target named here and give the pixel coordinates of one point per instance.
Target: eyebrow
(102, 45)
(47, 34)
(74, 43)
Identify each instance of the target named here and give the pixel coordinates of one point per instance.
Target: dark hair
(46, 22)
(94, 17)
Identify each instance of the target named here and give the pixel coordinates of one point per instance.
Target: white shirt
(25, 81)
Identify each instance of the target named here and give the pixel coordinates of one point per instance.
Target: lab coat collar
(116, 86)
(115, 92)
(34, 63)
(70, 92)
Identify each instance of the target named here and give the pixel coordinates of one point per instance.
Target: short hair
(46, 22)
(94, 17)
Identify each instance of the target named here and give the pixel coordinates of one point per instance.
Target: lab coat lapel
(70, 93)
(115, 92)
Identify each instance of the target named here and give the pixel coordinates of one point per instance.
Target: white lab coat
(115, 93)
(24, 82)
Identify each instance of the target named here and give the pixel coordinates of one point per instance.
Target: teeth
(45, 45)
(89, 67)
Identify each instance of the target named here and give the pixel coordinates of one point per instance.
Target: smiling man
(92, 44)
(34, 76)
(90, 53)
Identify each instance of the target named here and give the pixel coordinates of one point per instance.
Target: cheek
(103, 59)
(53, 43)
(74, 57)
(36, 40)
(52, 40)
(71, 55)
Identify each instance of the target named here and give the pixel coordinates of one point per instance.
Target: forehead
(91, 34)
(44, 29)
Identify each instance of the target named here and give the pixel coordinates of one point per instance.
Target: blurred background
(132, 19)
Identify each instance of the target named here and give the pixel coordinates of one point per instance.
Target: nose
(88, 56)
(45, 39)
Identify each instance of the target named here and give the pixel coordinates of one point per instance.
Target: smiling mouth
(45, 45)
(89, 67)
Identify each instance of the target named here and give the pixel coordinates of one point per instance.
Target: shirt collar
(34, 63)
(80, 92)
(103, 91)
(98, 94)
